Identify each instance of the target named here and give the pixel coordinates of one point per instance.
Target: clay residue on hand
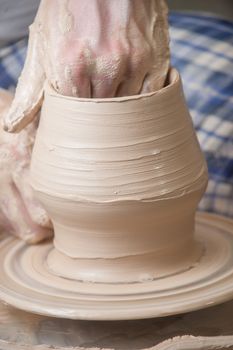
(95, 49)
(66, 19)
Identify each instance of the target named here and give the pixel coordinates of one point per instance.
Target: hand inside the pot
(96, 49)
(20, 213)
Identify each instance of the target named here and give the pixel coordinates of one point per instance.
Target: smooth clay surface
(121, 179)
(27, 283)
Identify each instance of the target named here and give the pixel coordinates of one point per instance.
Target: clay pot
(121, 179)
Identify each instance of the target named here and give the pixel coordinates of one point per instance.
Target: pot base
(129, 269)
(27, 283)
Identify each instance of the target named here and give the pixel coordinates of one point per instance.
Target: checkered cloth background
(11, 62)
(202, 50)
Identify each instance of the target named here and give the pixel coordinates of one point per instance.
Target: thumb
(29, 92)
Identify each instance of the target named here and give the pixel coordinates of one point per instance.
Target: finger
(36, 212)
(160, 62)
(29, 92)
(75, 82)
(16, 213)
(154, 81)
(104, 88)
(105, 85)
(131, 86)
(107, 70)
(5, 225)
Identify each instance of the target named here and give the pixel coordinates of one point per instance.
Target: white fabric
(15, 17)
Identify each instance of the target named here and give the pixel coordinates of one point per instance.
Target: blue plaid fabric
(12, 58)
(202, 50)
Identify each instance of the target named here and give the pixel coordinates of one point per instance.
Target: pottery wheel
(27, 283)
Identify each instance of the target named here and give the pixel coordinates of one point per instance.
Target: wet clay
(28, 283)
(121, 179)
(121, 50)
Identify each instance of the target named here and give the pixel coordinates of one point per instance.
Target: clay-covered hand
(96, 48)
(20, 213)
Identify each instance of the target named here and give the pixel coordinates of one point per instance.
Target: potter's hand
(97, 48)
(20, 214)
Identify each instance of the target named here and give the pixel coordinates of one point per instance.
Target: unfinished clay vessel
(121, 179)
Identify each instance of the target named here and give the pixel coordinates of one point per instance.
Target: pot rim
(173, 81)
